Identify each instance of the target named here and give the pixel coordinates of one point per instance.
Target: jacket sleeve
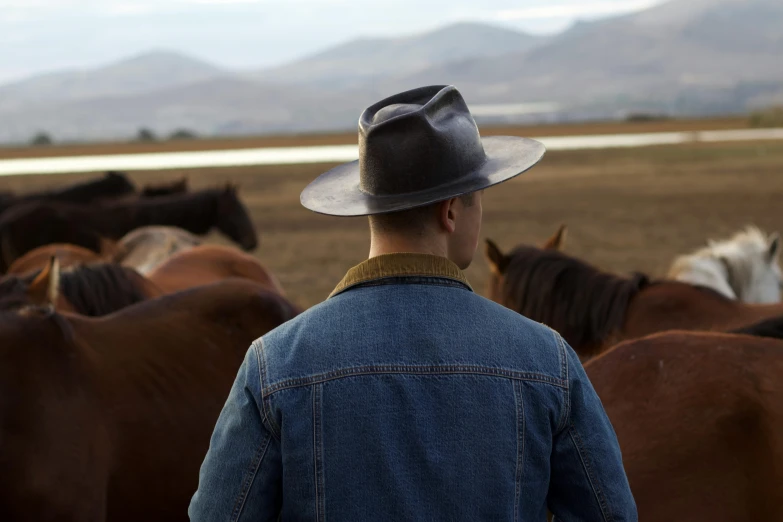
(241, 476)
(588, 481)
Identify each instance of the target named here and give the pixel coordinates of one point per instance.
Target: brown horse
(146, 248)
(593, 309)
(111, 185)
(67, 255)
(699, 418)
(25, 227)
(109, 419)
(91, 290)
(207, 264)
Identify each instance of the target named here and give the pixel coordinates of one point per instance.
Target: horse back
(699, 416)
(671, 305)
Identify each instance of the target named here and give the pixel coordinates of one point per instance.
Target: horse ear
(557, 241)
(498, 261)
(774, 247)
(45, 288)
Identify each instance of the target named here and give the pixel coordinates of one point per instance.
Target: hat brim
(337, 192)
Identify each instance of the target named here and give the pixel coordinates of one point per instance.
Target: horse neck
(196, 213)
(103, 289)
(586, 306)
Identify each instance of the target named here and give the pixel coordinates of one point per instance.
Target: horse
(178, 186)
(209, 263)
(744, 267)
(699, 419)
(99, 289)
(145, 248)
(109, 419)
(25, 227)
(91, 290)
(67, 255)
(593, 309)
(110, 185)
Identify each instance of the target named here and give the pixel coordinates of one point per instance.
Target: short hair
(413, 221)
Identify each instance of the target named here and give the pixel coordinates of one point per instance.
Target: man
(405, 396)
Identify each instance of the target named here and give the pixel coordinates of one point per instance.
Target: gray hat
(415, 148)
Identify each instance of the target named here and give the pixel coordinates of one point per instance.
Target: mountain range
(683, 57)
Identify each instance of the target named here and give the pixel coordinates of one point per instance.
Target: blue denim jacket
(405, 396)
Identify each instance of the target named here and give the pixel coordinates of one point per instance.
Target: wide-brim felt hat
(416, 148)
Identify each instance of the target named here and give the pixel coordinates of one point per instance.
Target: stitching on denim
(563, 355)
(320, 499)
(266, 408)
(584, 456)
(250, 476)
(520, 405)
(414, 370)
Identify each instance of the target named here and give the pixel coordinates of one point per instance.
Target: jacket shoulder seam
(412, 370)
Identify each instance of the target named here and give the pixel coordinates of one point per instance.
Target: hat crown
(417, 140)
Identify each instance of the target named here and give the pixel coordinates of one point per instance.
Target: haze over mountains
(684, 57)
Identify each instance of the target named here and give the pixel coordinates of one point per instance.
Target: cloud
(574, 10)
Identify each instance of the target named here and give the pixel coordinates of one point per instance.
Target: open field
(627, 209)
(576, 129)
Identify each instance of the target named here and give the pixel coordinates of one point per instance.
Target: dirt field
(576, 129)
(626, 209)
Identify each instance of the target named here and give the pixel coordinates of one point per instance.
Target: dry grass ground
(626, 210)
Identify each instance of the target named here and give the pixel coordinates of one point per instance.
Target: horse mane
(101, 289)
(579, 301)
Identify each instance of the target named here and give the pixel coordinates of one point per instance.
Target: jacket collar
(401, 265)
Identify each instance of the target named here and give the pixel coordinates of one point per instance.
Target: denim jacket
(405, 396)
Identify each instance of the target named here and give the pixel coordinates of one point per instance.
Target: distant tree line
(43, 138)
(769, 117)
(147, 135)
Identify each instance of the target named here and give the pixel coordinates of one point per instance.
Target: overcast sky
(46, 35)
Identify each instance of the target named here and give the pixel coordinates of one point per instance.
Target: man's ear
(447, 215)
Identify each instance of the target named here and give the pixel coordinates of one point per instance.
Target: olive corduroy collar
(400, 265)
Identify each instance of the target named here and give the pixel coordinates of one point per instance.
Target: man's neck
(383, 244)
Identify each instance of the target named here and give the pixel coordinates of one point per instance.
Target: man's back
(409, 397)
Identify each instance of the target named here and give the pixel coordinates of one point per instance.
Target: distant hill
(221, 106)
(366, 59)
(684, 57)
(142, 73)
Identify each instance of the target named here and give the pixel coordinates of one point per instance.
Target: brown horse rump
(110, 418)
(699, 417)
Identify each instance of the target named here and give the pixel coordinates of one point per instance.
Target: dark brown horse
(111, 185)
(699, 418)
(593, 309)
(178, 186)
(25, 227)
(109, 419)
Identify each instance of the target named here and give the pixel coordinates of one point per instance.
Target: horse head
(749, 262)
(39, 291)
(498, 261)
(234, 220)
